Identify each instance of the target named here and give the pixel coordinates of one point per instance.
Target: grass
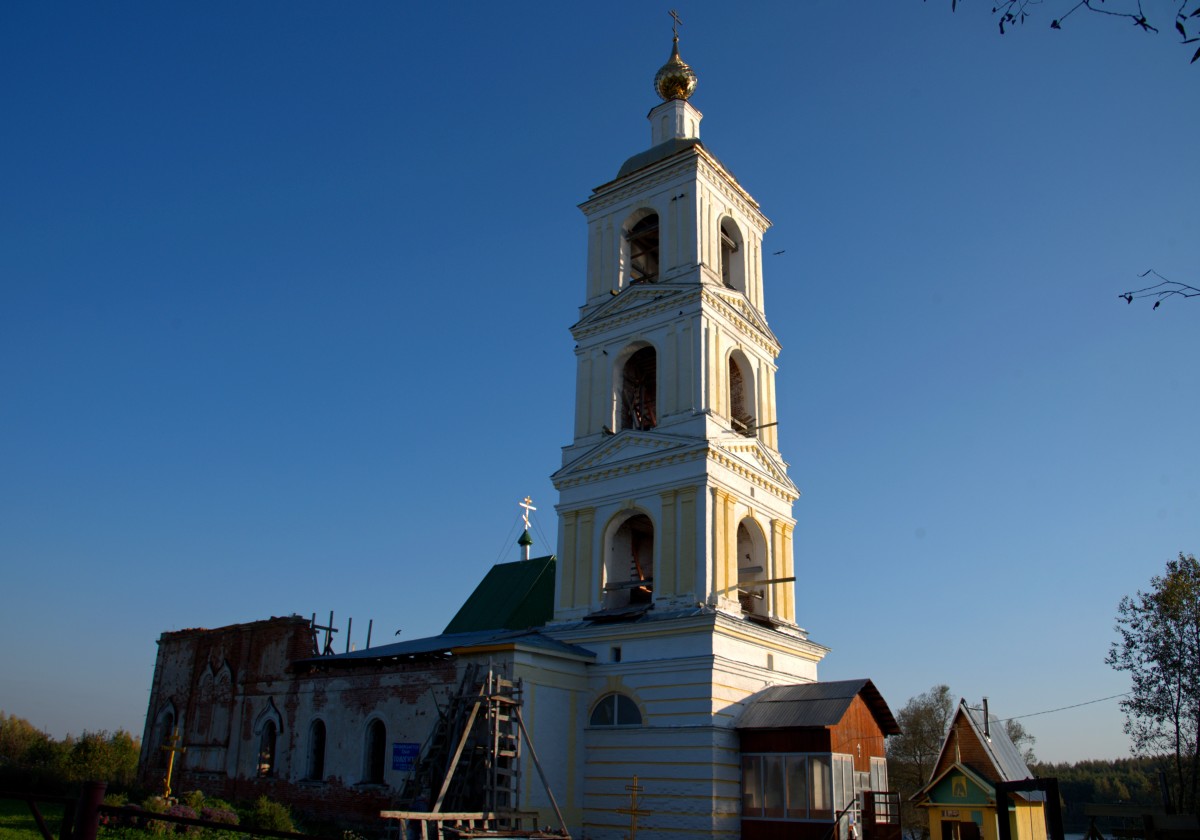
(17, 823)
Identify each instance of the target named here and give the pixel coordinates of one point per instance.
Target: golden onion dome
(675, 80)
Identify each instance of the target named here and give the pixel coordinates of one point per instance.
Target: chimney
(987, 721)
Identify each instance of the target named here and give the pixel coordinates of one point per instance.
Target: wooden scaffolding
(467, 781)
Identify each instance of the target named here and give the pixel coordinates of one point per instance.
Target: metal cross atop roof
(677, 22)
(529, 508)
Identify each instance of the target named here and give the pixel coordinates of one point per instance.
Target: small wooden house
(813, 757)
(960, 796)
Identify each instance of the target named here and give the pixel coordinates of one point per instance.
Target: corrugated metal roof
(512, 596)
(447, 644)
(1004, 753)
(1005, 759)
(814, 704)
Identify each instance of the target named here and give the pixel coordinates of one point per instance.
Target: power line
(1064, 708)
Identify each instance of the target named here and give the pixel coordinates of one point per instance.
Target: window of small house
(797, 785)
(751, 785)
(774, 787)
(788, 786)
(820, 798)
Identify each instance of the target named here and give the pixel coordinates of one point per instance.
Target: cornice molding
(766, 476)
(615, 192)
(590, 476)
(666, 297)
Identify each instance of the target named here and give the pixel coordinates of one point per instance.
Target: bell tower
(673, 493)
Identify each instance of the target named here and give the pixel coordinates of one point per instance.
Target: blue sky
(285, 289)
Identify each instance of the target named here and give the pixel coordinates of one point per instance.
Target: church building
(657, 653)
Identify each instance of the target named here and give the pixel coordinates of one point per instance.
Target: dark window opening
(376, 750)
(316, 751)
(266, 749)
(643, 251)
(639, 390)
(166, 728)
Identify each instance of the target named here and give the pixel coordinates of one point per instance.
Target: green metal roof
(512, 596)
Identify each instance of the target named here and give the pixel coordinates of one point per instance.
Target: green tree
(99, 756)
(1158, 644)
(911, 755)
(19, 739)
(1022, 739)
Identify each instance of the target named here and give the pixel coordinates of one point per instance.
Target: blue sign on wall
(404, 756)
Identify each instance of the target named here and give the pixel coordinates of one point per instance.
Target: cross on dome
(675, 79)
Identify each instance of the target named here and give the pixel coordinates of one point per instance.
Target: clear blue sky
(285, 289)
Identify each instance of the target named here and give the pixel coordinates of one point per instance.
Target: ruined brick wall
(223, 687)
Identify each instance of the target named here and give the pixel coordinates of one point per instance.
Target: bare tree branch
(1184, 13)
(1160, 291)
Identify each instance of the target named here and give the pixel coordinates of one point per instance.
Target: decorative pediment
(736, 306)
(755, 462)
(628, 451)
(634, 302)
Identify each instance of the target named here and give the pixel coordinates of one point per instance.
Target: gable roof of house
(983, 783)
(511, 596)
(815, 704)
(996, 759)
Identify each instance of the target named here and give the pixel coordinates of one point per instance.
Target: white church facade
(660, 642)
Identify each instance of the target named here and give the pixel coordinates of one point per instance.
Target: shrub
(269, 815)
(221, 815)
(187, 812)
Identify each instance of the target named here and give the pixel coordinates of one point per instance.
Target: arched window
(266, 749)
(629, 566)
(616, 710)
(376, 750)
(201, 720)
(639, 390)
(643, 250)
(741, 398)
(267, 727)
(316, 751)
(733, 272)
(751, 554)
(164, 728)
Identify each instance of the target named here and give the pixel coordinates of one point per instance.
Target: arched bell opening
(741, 395)
(629, 563)
(642, 242)
(733, 263)
(752, 568)
(637, 389)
